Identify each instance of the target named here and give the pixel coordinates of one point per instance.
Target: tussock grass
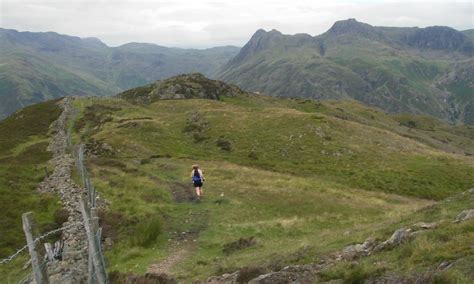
(146, 231)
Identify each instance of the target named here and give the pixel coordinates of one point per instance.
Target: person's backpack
(196, 176)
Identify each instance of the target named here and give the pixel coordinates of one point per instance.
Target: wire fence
(45, 235)
(84, 175)
(29, 276)
(95, 272)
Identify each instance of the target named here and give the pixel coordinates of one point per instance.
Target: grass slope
(23, 157)
(448, 242)
(301, 177)
(36, 79)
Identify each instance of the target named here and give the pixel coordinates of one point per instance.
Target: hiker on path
(197, 178)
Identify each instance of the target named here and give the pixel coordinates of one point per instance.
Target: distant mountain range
(401, 70)
(415, 70)
(39, 66)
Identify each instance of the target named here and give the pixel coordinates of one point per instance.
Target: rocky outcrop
(73, 266)
(464, 215)
(352, 26)
(186, 86)
(309, 273)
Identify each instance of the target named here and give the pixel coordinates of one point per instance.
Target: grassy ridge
(301, 177)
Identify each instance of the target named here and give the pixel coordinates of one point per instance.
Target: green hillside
(35, 79)
(401, 70)
(35, 67)
(23, 160)
(289, 181)
(293, 179)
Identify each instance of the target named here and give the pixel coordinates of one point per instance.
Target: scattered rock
(309, 273)
(224, 278)
(248, 273)
(352, 252)
(289, 274)
(464, 215)
(398, 237)
(423, 225)
(445, 265)
(394, 279)
(186, 86)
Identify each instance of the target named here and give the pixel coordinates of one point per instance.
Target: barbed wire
(30, 274)
(23, 280)
(11, 257)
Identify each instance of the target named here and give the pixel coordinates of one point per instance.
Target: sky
(208, 23)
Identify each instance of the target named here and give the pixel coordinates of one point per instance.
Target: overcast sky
(207, 23)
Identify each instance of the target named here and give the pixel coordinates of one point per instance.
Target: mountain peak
(263, 33)
(260, 40)
(351, 26)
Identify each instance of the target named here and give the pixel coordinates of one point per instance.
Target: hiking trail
(180, 249)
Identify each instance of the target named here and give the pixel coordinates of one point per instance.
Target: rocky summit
(185, 86)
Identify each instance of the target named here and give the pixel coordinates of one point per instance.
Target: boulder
(426, 226)
(464, 215)
(398, 237)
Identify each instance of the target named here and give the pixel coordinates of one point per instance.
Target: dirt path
(180, 250)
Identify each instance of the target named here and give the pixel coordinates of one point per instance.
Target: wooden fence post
(49, 251)
(38, 271)
(93, 246)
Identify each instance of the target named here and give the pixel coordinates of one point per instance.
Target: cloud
(206, 23)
